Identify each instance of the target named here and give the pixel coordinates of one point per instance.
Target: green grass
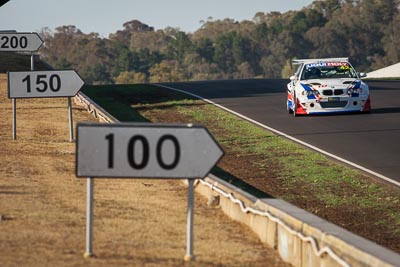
(115, 100)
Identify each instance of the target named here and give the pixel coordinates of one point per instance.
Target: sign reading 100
(142, 163)
(145, 150)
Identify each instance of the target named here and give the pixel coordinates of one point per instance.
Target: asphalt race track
(369, 140)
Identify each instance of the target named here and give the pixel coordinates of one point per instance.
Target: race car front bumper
(334, 104)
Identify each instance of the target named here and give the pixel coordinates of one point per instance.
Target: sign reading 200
(14, 42)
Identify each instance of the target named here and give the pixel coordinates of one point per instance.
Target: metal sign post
(14, 112)
(189, 227)
(12, 41)
(44, 84)
(89, 218)
(32, 62)
(71, 123)
(145, 150)
(14, 103)
(35, 84)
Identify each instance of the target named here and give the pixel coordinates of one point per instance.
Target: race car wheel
(294, 105)
(289, 110)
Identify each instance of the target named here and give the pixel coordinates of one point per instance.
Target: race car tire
(289, 110)
(294, 105)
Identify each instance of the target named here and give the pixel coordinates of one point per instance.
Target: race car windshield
(328, 70)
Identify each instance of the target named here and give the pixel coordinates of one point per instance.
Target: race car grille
(336, 104)
(329, 92)
(338, 92)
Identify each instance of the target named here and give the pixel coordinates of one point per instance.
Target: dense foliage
(367, 31)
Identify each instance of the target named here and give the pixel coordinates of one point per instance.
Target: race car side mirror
(293, 78)
(362, 75)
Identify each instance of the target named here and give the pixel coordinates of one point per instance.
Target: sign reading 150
(141, 163)
(43, 82)
(40, 84)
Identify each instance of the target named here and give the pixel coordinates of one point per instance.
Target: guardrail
(300, 237)
(94, 109)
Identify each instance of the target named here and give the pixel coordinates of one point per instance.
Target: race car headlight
(310, 92)
(354, 91)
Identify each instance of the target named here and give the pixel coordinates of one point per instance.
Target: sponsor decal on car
(328, 64)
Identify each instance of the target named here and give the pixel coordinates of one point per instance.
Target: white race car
(329, 85)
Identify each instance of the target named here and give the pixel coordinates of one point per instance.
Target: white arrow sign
(145, 150)
(20, 42)
(37, 84)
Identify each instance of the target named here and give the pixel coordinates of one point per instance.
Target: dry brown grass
(136, 222)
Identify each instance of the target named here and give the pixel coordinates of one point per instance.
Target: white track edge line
(387, 179)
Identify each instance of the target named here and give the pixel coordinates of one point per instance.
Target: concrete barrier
(392, 71)
(94, 109)
(301, 238)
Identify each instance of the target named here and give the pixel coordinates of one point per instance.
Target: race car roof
(315, 60)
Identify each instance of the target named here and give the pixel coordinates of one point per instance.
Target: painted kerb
(300, 237)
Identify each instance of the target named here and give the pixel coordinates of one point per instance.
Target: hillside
(365, 31)
(18, 62)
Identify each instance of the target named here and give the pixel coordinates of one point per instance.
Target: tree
(365, 30)
(288, 69)
(324, 43)
(391, 43)
(166, 71)
(96, 74)
(240, 48)
(154, 41)
(147, 59)
(212, 29)
(124, 36)
(205, 48)
(327, 8)
(223, 54)
(244, 71)
(179, 45)
(57, 44)
(261, 32)
(197, 68)
(130, 77)
(126, 61)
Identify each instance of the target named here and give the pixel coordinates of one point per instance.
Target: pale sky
(105, 17)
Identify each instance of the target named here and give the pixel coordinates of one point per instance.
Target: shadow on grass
(119, 100)
(233, 180)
